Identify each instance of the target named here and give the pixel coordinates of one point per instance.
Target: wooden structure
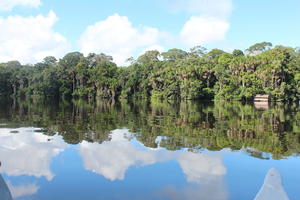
(261, 101)
(262, 98)
(261, 105)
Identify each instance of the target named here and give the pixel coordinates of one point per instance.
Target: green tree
(259, 48)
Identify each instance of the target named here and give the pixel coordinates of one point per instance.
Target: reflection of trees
(184, 125)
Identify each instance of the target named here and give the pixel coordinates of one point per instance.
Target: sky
(33, 29)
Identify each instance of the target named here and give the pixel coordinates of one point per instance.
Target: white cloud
(112, 159)
(24, 190)
(207, 172)
(117, 36)
(7, 5)
(199, 167)
(216, 8)
(208, 23)
(153, 47)
(204, 172)
(28, 153)
(30, 39)
(203, 30)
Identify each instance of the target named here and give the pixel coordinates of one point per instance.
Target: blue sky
(33, 29)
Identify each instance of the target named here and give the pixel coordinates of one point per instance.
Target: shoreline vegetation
(264, 134)
(171, 75)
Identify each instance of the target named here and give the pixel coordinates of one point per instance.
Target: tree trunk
(14, 90)
(74, 84)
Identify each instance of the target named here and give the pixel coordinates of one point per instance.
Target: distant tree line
(186, 124)
(175, 74)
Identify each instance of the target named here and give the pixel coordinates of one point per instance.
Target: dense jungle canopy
(174, 74)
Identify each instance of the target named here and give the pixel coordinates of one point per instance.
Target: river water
(159, 150)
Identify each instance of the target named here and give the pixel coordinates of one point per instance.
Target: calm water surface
(215, 151)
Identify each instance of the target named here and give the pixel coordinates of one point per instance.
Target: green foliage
(197, 51)
(174, 74)
(149, 56)
(237, 52)
(259, 48)
(262, 133)
(174, 54)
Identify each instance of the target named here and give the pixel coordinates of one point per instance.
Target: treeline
(175, 74)
(182, 125)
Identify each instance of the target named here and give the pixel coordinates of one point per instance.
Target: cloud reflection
(24, 190)
(113, 158)
(206, 172)
(25, 152)
(197, 167)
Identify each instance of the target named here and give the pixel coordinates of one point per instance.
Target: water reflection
(208, 172)
(115, 141)
(22, 190)
(113, 158)
(4, 191)
(30, 153)
(274, 132)
(25, 152)
(8, 191)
